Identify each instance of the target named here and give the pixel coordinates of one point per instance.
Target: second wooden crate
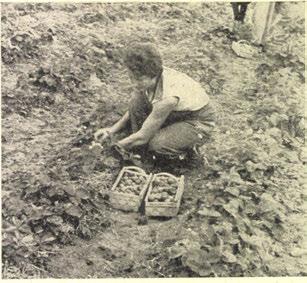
(164, 205)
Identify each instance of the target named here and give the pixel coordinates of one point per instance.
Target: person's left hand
(125, 154)
(120, 150)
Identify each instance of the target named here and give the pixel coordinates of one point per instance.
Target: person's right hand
(102, 134)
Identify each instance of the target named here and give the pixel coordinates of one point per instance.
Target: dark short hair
(143, 59)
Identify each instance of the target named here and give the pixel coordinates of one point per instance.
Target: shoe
(245, 49)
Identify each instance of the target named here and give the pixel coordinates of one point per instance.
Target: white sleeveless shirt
(191, 95)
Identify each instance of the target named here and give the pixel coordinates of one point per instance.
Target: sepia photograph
(153, 140)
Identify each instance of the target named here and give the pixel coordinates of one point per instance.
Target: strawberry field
(243, 213)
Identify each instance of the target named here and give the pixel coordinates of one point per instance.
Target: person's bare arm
(103, 133)
(120, 124)
(152, 124)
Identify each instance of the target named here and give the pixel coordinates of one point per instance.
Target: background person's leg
(242, 12)
(235, 9)
(262, 19)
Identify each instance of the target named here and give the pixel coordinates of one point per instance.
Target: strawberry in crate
(164, 189)
(131, 183)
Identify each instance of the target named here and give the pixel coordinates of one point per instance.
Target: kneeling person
(170, 113)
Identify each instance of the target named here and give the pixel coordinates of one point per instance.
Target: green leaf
(111, 162)
(29, 239)
(36, 214)
(275, 133)
(176, 251)
(235, 177)
(214, 255)
(6, 242)
(70, 190)
(250, 208)
(38, 229)
(55, 220)
(268, 203)
(253, 241)
(220, 270)
(24, 228)
(47, 238)
(250, 166)
(74, 211)
(85, 232)
(233, 191)
(274, 119)
(298, 252)
(32, 190)
(209, 213)
(207, 234)
(75, 200)
(83, 194)
(232, 207)
(223, 227)
(219, 201)
(228, 257)
(197, 261)
(54, 191)
(66, 228)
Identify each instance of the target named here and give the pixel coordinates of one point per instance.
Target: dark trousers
(182, 130)
(239, 10)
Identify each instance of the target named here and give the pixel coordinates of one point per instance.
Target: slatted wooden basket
(128, 201)
(167, 209)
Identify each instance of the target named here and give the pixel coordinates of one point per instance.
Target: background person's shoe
(245, 49)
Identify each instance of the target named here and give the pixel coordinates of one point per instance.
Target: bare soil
(242, 212)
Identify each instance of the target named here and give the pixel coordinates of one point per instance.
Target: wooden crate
(168, 209)
(126, 201)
